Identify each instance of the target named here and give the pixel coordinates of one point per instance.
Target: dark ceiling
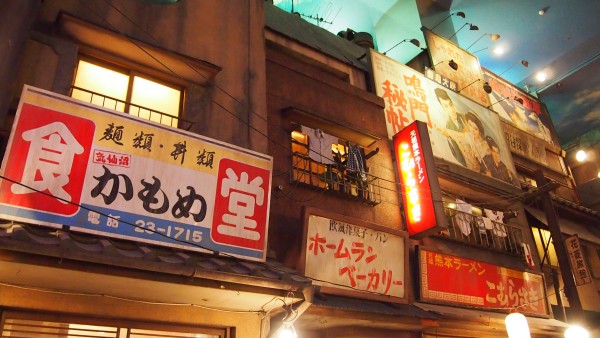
(564, 42)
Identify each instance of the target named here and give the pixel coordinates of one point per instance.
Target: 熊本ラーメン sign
(421, 195)
(479, 284)
(345, 255)
(109, 173)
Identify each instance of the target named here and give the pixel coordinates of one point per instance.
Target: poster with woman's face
(520, 109)
(461, 131)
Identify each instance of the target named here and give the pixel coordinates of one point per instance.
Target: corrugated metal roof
(318, 38)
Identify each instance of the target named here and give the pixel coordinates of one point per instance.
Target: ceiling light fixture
(581, 155)
(525, 64)
(493, 37)
(541, 76)
(499, 50)
(461, 14)
(472, 27)
(413, 41)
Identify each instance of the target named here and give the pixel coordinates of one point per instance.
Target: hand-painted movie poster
(461, 131)
(468, 71)
(529, 116)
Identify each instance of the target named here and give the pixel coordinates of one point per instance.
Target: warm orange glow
(103, 81)
(413, 207)
(112, 88)
(157, 97)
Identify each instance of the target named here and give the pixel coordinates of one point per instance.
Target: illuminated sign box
(421, 195)
(351, 257)
(103, 172)
(461, 281)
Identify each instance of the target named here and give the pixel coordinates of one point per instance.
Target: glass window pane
(103, 81)
(157, 97)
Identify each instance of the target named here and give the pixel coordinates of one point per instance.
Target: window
(544, 246)
(324, 161)
(127, 91)
(481, 227)
(16, 324)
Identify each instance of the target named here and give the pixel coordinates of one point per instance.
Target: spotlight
(413, 41)
(487, 87)
(461, 14)
(525, 64)
(472, 27)
(493, 37)
(451, 63)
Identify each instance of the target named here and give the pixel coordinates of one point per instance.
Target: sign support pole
(561, 252)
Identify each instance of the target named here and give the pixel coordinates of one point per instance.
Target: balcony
(133, 109)
(473, 230)
(335, 179)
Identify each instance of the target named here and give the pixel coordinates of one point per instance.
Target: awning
(371, 306)
(566, 226)
(140, 53)
(364, 317)
(314, 120)
(487, 323)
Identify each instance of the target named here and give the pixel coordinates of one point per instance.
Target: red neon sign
(419, 185)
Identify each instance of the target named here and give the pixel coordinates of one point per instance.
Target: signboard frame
(425, 189)
(454, 299)
(339, 289)
(104, 172)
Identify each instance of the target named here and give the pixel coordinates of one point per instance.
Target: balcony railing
(364, 188)
(133, 109)
(477, 231)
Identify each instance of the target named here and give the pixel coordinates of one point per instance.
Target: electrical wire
(275, 142)
(165, 236)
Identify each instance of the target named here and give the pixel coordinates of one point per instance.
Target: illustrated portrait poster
(529, 116)
(410, 96)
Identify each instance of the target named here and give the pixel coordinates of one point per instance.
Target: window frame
(118, 323)
(131, 71)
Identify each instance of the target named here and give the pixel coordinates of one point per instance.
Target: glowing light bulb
(581, 155)
(516, 326)
(541, 76)
(575, 331)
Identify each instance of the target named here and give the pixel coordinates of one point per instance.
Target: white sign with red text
(349, 256)
(98, 171)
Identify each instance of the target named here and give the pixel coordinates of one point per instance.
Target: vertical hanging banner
(577, 261)
(108, 173)
(421, 194)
